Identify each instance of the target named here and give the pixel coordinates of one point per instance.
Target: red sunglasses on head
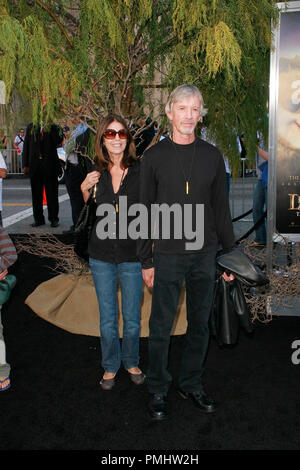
(111, 134)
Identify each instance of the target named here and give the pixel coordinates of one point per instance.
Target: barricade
(13, 160)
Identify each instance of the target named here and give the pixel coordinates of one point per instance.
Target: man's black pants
(198, 271)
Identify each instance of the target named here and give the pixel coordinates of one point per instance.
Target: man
(18, 144)
(76, 169)
(67, 132)
(185, 170)
(41, 161)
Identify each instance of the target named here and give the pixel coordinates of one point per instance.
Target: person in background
(76, 150)
(18, 144)
(3, 173)
(243, 155)
(41, 162)
(113, 258)
(66, 131)
(8, 256)
(260, 198)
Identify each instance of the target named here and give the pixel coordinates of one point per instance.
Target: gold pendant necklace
(187, 180)
(116, 204)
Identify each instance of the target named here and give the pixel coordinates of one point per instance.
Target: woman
(114, 259)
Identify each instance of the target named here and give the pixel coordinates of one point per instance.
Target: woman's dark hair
(102, 159)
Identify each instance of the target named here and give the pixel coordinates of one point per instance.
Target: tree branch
(44, 7)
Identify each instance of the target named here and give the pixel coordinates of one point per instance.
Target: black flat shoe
(200, 399)
(54, 224)
(137, 379)
(107, 384)
(158, 407)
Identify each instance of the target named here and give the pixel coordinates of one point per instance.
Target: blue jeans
(259, 204)
(106, 277)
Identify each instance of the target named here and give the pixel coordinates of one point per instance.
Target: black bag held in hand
(229, 312)
(84, 226)
(241, 266)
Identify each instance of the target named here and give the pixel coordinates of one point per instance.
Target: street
(17, 208)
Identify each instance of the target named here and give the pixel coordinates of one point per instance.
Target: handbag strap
(94, 192)
(92, 196)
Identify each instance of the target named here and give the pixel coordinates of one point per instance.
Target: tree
(229, 58)
(82, 58)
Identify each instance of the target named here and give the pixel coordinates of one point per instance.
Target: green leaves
(82, 58)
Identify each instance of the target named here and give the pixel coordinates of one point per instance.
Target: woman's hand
(91, 179)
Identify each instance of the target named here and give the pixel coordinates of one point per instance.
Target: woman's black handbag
(84, 226)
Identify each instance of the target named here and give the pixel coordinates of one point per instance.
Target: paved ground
(241, 201)
(17, 210)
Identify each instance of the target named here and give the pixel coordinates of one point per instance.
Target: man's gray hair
(182, 91)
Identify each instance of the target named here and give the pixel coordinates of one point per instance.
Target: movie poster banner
(288, 123)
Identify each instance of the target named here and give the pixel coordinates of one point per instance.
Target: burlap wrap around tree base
(70, 302)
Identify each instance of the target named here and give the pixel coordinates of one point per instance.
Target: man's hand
(148, 276)
(3, 275)
(228, 278)
(25, 170)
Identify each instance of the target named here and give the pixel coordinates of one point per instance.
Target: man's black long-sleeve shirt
(164, 172)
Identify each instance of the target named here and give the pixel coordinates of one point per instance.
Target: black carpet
(55, 402)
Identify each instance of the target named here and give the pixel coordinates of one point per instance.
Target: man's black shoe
(200, 399)
(37, 224)
(54, 224)
(158, 407)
